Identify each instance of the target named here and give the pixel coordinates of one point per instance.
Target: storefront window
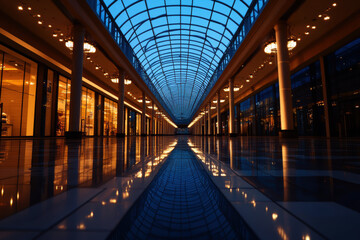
(110, 117)
(63, 106)
(17, 94)
(342, 76)
(87, 111)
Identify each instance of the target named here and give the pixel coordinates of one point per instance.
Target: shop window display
(17, 94)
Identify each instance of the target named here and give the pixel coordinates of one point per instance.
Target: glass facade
(63, 106)
(343, 84)
(17, 94)
(110, 117)
(308, 104)
(87, 111)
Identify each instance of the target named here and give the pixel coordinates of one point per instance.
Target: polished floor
(180, 187)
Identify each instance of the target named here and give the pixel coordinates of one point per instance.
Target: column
(76, 82)
(286, 114)
(120, 115)
(218, 114)
(326, 102)
(209, 119)
(143, 116)
(231, 108)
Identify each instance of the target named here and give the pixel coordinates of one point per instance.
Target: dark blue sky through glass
(179, 43)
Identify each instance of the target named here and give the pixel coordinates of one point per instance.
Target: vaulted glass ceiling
(179, 43)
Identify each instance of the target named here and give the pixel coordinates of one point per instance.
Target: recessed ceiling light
(307, 26)
(298, 39)
(61, 40)
(96, 67)
(327, 18)
(320, 15)
(270, 62)
(29, 8)
(313, 27)
(251, 76)
(40, 22)
(247, 80)
(38, 15)
(20, 8)
(307, 33)
(50, 26)
(55, 35)
(334, 4)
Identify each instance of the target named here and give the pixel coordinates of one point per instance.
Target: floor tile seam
(68, 215)
(279, 205)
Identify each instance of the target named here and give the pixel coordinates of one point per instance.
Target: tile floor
(180, 187)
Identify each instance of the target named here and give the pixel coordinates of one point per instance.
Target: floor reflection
(304, 169)
(34, 170)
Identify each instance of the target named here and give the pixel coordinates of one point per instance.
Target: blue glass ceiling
(179, 43)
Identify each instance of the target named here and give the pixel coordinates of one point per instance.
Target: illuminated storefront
(17, 94)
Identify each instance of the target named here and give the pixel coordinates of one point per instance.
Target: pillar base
(232, 134)
(73, 134)
(120, 135)
(143, 134)
(288, 134)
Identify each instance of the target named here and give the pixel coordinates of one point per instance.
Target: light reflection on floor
(309, 187)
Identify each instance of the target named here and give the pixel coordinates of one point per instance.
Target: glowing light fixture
(20, 8)
(88, 47)
(236, 88)
(271, 47)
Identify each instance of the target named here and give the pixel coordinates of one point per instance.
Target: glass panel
(28, 108)
(11, 94)
(48, 104)
(62, 107)
(110, 117)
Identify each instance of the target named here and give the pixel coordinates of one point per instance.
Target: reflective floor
(180, 187)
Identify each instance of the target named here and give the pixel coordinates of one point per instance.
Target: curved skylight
(179, 43)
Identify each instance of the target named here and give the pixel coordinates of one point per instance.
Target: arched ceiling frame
(179, 43)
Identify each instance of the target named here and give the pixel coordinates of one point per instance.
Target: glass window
(87, 111)
(110, 117)
(48, 103)
(17, 94)
(63, 106)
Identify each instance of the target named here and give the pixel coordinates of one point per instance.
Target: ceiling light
(247, 80)
(327, 18)
(115, 80)
(40, 22)
(320, 15)
(29, 8)
(270, 62)
(106, 74)
(127, 81)
(97, 67)
(298, 39)
(308, 26)
(334, 4)
(20, 8)
(55, 35)
(270, 47)
(251, 76)
(212, 107)
(313, 27)
(88, 57)
(236, 88)
(88, 47)
(61, 40)
(307, 33)
(49, 26)
(241, 86)
(38, 15)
